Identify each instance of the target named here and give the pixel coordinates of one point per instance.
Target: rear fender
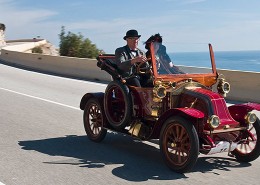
(86, 97)
(187, 113)
(239, 111)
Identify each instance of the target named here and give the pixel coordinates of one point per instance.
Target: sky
(229, 25)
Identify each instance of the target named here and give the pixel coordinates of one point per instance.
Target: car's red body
(177, 110)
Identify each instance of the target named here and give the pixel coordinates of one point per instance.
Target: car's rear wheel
(94, 121)
(249, 148)
(179, 144)
(118, 105)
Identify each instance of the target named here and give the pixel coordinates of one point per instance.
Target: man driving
(128, 56)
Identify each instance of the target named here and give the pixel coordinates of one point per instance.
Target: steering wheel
(143, 68)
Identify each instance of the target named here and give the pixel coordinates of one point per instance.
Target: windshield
(178, 59)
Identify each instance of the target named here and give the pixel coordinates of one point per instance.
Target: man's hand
(139, 59)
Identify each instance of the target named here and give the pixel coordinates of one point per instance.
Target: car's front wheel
(179, 144)
(94, 120)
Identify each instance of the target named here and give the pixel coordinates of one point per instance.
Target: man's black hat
(131, 33)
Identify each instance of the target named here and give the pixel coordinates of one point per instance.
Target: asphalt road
(42, 141)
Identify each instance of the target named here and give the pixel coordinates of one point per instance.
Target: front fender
(87, 96)
(239, 111)
(188, 113)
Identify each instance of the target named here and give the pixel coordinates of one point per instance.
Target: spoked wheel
(94, 120)
(249, 148)
(179, 144)
(118, 105)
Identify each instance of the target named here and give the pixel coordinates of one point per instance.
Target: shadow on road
(133, 160)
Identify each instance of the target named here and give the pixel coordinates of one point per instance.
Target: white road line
(2, 183)
(42, 99)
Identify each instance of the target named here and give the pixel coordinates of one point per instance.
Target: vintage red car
(179, 108)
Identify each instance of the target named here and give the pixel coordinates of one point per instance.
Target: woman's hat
(131, 33)
(154, 38)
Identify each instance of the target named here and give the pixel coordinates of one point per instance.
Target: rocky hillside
(48, 49)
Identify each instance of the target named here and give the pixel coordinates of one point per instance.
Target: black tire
(179, 144)
(249, 149)
(118, 105)
(94, 120)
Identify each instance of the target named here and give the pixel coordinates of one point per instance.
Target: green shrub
(74, 45)
(37, 50)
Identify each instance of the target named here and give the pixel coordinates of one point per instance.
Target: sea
(231, 60)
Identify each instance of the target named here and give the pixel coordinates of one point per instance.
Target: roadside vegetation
(75, 45)
(37, 50)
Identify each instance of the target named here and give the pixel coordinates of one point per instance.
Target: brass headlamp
(250, 118)
(223, 87)
(213, 121)
(159, 91)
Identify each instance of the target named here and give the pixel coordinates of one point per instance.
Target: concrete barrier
(245, 86)
(80, 68)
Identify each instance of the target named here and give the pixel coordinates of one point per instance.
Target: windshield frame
(207, 79)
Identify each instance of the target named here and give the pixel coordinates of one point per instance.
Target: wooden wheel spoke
(185, 138)
(94, 109)
(186, 146)
(91, 126)
(248, 148)
(177, 130)
(251, 128)
(182, 133)
(91, 111)
(179, 157)
(173, 134)
(170, 138)
(253, 138)
(172, 150)
(97, 130)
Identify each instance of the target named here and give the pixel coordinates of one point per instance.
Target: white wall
(24, 44)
